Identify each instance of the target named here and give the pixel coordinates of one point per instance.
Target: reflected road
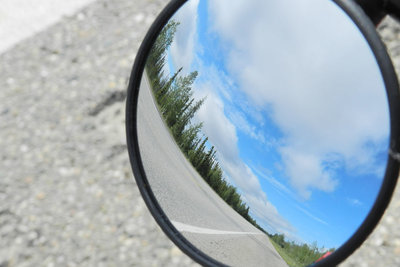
(191, 205)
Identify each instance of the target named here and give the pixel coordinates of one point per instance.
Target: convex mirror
(262, 133)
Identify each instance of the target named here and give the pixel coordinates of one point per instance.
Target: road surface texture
(192, 206)
(67, 195)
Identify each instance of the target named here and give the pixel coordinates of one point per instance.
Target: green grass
(284, 255)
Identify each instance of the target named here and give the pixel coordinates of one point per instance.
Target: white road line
(200, 230)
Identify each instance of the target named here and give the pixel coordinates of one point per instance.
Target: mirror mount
(376, 10)
(393, 8)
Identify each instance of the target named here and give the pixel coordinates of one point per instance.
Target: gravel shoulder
(67, 195)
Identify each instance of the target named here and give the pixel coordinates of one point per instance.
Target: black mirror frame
(392, 169)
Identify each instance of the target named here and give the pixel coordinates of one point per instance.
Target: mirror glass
(263, 128)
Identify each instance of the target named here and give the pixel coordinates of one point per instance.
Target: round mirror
(260, 131)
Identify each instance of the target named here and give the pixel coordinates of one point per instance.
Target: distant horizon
(272, 112)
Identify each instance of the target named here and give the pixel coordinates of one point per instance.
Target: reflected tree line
(174, 96)
(297, 254)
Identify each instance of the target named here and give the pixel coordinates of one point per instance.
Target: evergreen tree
(156, 57)
(174, 96)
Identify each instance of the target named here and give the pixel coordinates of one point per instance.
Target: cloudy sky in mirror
(295, 107)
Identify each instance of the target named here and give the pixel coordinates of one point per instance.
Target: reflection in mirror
(263, 128)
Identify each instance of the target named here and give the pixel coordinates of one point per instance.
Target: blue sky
(295, 106)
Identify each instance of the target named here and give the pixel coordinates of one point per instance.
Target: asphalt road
(192, 206)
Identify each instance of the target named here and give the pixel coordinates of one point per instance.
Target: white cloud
(284, 190)
(311, 215)
(311, 67)
(268, 215)
(219, 129)
(306, 171)
(215, 78)
(185, 39)
(222, 132)
(354, 202)
(223, 87)
(243, 124)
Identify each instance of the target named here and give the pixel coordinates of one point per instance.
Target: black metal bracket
(376, 10)
(393, 8)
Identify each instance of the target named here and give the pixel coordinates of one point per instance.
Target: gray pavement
(67, 195)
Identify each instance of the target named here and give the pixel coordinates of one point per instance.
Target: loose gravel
(67, 195)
